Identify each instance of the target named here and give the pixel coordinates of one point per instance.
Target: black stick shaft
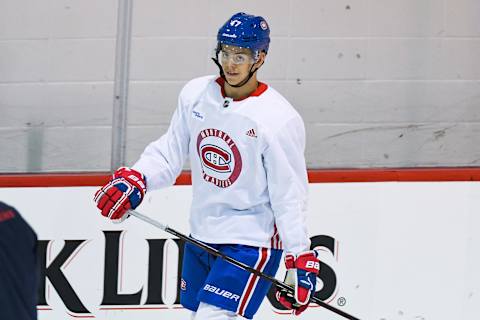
(239, 264)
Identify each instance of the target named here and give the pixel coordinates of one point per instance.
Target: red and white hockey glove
(124, 191)
(302, 273)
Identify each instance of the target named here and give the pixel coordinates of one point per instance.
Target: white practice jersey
(249, 176)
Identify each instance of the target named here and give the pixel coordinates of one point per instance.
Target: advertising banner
(388, 251)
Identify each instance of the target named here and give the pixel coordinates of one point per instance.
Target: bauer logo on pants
(221, 292)
(219, 157)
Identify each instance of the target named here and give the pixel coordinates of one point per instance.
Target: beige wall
(379, 82)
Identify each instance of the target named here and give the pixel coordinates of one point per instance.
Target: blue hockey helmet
(246, 31)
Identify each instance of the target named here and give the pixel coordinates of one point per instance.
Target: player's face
(236, 63)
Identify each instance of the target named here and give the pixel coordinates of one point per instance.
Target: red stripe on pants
(251, 282)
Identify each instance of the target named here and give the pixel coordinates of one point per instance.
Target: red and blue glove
(301, 274)
(124, 191)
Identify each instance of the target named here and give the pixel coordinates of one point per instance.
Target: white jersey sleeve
(162, 160)
(285, 166)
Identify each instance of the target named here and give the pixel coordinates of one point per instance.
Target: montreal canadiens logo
(215, 158)
(219, 156)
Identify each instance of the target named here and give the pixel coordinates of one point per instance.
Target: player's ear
(261, 59)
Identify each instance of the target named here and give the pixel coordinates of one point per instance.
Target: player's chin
(233, 79)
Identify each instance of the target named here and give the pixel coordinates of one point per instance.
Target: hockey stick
(239, 264)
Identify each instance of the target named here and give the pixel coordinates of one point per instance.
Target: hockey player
(246, 147)
(19, 270)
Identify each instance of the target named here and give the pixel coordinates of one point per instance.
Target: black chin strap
(242, 83)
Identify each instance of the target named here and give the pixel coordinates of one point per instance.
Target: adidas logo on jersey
(251, 133)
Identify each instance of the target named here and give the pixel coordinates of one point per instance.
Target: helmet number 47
(235, 23)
